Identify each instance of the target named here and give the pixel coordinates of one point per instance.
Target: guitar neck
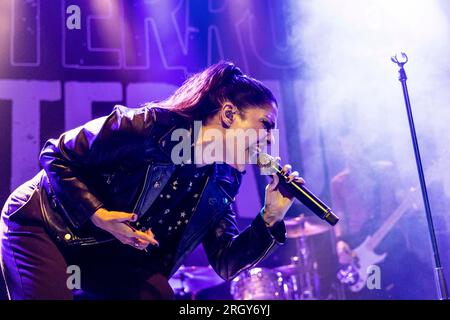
(379, 235)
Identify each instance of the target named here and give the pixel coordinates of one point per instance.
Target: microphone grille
(266, 162)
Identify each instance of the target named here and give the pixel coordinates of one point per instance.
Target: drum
(302, 283)
(259, 284)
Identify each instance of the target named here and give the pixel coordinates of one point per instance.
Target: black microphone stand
(439, 271)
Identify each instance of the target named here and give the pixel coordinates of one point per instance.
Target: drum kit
(298, 280)
(189, 280)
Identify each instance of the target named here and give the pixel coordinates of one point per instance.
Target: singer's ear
(227, 114)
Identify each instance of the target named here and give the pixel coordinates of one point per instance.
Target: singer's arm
(230, 252)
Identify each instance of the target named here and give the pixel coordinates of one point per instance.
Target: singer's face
(261, 121)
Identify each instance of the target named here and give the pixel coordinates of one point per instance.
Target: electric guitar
(355, 274)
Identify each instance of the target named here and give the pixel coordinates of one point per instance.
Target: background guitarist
(365, 193)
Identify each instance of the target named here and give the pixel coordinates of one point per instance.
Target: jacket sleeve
(78, 152)
(229, 252)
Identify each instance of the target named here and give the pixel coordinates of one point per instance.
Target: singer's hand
(115, 222)
(277, 199)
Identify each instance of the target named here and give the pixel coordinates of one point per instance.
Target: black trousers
(36, 267)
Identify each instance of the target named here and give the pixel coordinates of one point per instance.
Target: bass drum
(259, 284)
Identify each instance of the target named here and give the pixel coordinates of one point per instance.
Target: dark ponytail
(202, 94)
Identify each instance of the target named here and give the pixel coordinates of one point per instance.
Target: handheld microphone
(299, 191)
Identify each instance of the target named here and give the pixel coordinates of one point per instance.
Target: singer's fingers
(291, 177)
(299, 180)
(286, 169)
(153, 241)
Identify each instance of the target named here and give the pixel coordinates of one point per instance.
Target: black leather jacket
(112, 161)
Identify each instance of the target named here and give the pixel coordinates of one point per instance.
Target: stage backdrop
(66, 62)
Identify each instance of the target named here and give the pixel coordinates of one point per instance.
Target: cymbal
(302, 227)
(290, 269)
(195, 278)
